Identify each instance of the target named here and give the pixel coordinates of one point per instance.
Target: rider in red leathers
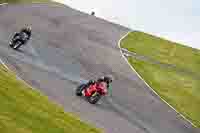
(101, 85)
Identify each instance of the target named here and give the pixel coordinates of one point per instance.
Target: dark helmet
(93, 13)
(108, 78)
(91, 82)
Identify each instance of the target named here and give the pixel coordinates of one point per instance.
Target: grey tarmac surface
(69, 47)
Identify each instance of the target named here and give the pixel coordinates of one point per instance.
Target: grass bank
(163, 51)
(24, 110)
(178, 85)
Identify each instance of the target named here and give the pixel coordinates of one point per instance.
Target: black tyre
(17, 45)
(79, 89)
(94, 98)
(11, 44)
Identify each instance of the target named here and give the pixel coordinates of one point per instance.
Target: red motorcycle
(93, 92)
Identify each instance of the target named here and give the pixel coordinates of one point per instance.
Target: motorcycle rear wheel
(79, 89)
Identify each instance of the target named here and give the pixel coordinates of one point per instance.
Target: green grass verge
(24, 110)
(24, 1)
(179, 89)
(164, 51)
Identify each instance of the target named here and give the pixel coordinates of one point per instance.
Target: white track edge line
(127, 63)
(1, 61)
(50, 100)
(3, 4)
(119, 42)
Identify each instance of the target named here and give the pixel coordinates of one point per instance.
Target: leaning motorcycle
(95, 95)
(18, 40)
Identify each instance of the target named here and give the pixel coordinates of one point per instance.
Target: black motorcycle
(18, 40)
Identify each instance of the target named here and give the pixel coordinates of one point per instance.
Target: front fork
(94, 93)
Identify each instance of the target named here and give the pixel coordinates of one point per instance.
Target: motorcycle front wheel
(17, 45)
(94, 98)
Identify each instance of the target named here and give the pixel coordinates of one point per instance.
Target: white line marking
(3, 4)
(27, 84)
(119, 42)
(1, 61)
(127, 63)
(4, 64)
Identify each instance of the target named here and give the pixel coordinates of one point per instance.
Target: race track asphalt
(69, 47)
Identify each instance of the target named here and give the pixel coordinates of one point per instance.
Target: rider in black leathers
(20, 35)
